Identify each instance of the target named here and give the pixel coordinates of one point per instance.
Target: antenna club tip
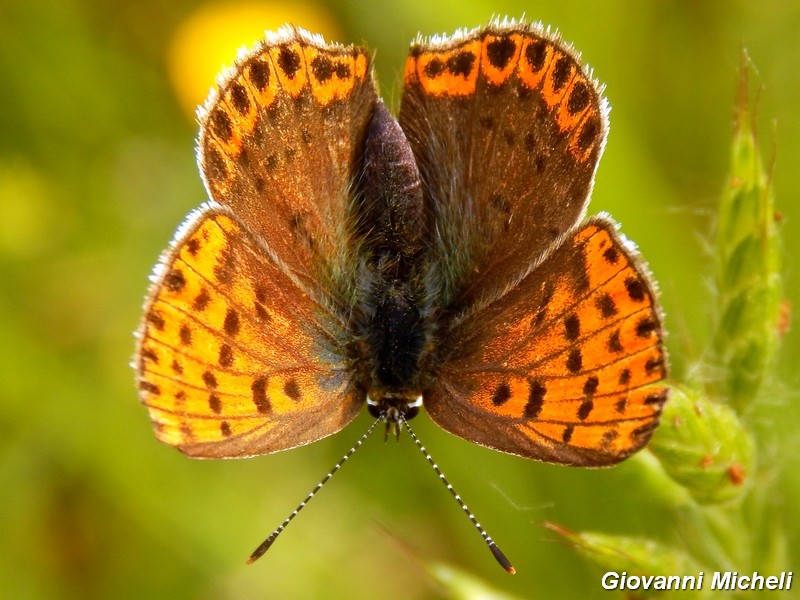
(501, 558)
(259, 552)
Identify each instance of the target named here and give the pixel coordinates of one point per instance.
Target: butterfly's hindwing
(564, 367)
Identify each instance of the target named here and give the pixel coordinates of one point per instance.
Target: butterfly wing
(564, 367)
(233, 360)
(507, 129)
(551, 339)
(242, 347)
(280, 144)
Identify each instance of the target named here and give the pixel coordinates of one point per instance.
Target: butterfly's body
(444, 254)
(392, 314)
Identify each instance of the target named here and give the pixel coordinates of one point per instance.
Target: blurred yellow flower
(210, 38)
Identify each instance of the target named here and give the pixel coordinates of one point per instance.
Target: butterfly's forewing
(280, 144)
(242, 347)
(567, 365)
(507, 129)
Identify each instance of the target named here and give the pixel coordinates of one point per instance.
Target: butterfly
(440, 259)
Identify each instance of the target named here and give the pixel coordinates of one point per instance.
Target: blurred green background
(97, 168)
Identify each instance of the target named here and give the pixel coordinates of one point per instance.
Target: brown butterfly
(438, 259)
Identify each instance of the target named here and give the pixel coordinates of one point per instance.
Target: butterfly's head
(391, 405)
(394, 408)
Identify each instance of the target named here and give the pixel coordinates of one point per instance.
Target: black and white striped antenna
(496, 552)
(258, 552)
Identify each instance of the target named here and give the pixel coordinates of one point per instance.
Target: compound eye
(412, 411)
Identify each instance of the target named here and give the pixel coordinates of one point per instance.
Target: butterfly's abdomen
(392, 224)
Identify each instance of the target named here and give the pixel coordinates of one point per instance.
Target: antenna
(274, 535)
(495, 550)
(393, 418)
